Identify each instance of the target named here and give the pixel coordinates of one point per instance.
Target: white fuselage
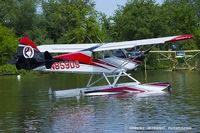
(109, 65)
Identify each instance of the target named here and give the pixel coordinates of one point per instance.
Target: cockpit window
(119, 53)
(110, 53)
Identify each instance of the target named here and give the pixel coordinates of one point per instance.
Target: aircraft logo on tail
(28, 52)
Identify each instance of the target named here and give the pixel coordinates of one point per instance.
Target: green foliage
(25, 16)
(18, 14)
(196, 35)
(8, 44)
(87, 32)
(71, 21)
(106, 27)
(136, 20)
(8, 9)
(9, 69)
(155, 61)
(145, 19)
(180, 17)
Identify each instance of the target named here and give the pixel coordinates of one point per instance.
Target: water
(25, 106)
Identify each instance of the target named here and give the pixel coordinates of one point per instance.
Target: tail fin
(29, 57)
(27, 48)
(27, 41)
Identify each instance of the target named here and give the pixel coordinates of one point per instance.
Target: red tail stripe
(27, 41)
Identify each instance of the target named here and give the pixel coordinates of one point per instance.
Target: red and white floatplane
(109, 60)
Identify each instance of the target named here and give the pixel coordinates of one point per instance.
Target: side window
(119, 53)
(109, 53)
(97, 55)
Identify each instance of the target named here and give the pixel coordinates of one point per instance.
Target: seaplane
(110, 60)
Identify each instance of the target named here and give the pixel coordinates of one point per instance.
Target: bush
(8, 44)
(8, 69)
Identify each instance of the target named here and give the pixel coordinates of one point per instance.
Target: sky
(109, 6)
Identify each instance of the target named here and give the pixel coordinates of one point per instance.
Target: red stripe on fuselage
(104, 63)
(95, 64)
(82, 58)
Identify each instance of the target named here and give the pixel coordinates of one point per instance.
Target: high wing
(131, 44)
(68, 48)
(65, 48)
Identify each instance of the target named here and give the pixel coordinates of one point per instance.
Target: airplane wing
(68, 48)
(65, 48)
(131, 44)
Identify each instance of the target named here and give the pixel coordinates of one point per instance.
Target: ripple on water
(26, 107)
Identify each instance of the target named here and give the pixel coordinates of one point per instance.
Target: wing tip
(180, 37)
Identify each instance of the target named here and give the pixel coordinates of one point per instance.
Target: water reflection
(26, 107)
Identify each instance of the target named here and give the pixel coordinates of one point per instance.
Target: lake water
(25, 106)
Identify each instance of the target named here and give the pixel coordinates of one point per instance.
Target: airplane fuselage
(109, 65)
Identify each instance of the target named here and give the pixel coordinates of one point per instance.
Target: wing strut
(114, 76)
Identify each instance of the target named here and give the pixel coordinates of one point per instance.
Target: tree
(8, 44)
(8, 9)
(26, 16)
(71, 21)
(18, 14)
(106, 26)
(140, 19)
(136, 20)
(180, 16)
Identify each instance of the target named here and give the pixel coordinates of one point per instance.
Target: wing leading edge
(131, 44)
(68, 48)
